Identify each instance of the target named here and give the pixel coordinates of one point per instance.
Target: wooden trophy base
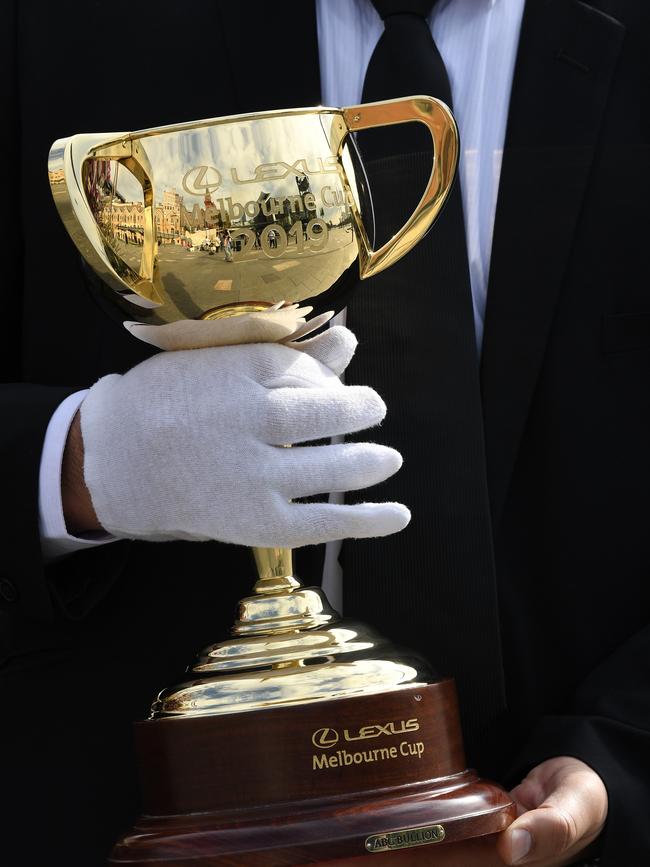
(373, 779)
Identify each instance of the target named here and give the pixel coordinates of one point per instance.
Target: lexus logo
(325, 738)
(201, 179)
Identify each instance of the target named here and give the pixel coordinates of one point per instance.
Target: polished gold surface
(289, 647)
(216, 218)
(225, 311)
(184, 220)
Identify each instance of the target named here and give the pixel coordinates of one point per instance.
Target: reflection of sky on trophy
(242, 146)
(56, 155)
(128, 186)
(348, 168)
(273, 686)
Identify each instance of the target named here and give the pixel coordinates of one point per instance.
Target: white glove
(188, 445)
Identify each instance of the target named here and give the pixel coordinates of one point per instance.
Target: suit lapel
(566, 59)
(273, 58)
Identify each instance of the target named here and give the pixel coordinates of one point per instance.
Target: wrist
(78, 510)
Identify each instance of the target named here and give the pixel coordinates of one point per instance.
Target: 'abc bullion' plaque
(304, 738)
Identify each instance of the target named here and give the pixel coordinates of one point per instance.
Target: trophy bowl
(208, 219)
(303, 738)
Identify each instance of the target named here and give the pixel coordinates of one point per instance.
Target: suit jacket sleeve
(28, 587)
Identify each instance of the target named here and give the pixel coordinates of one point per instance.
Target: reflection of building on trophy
(122, 220)
(203, 226)
(56, 177)
(168, 218)
(210, 209)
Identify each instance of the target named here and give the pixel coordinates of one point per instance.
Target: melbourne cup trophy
(304, 738)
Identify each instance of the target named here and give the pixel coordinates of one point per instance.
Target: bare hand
(562, 807)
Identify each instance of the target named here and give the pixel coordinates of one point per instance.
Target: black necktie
(433, 586)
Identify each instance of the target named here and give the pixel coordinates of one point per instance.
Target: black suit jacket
(86, 642)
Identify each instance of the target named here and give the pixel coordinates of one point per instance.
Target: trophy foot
(338, 781)
(344, 779)
(437, 823)
(307, 739)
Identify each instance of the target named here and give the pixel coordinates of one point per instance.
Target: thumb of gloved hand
(333, 347)
(188, 445)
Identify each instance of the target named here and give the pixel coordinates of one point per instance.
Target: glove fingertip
(397, 518)
(381, 519)
(392, 459)
(369, 405)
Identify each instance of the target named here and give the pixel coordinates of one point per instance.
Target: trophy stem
(275, 570)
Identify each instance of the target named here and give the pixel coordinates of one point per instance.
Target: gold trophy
(304, 738)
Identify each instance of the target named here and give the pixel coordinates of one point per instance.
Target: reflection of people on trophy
(228, 247)
(303, 185)
(286, 215)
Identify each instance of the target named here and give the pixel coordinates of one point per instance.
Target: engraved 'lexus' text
(327, 738)
(277, 171)
(390, 728)
(206, 179)
(295, 220)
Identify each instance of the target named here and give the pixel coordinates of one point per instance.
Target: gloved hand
(188, 445)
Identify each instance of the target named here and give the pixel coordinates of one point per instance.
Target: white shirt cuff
(55, 539)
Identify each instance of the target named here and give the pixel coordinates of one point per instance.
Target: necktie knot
(388, 8)
(405, 61)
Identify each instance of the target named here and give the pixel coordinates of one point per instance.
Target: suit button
(8, 590)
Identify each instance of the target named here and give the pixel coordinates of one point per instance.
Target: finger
(565, 822)
(334, 347)
(544, 834)
(345, 467)
(294, 415)
(530, 793)
(313, 523)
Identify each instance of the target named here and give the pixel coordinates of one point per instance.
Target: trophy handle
(131, 154)
(68, 167)
(444, 133)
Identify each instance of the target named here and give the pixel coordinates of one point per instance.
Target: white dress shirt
(478, 42)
